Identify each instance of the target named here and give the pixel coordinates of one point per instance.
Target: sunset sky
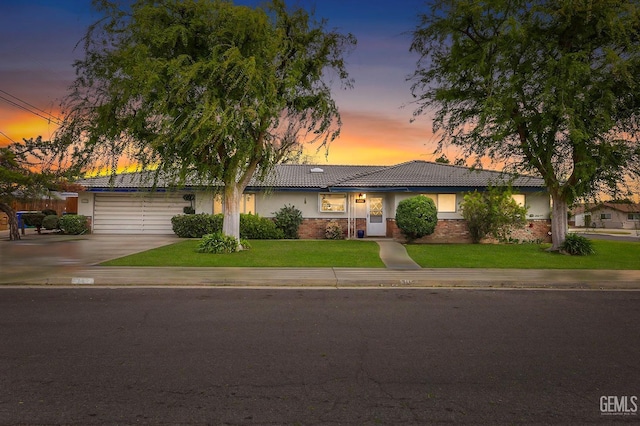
(38, 41)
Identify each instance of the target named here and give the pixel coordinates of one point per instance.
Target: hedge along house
(362, 199)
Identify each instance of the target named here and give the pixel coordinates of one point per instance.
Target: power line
(35, 110)
(32, 106)
(5, 135)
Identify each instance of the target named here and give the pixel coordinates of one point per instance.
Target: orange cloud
(18, 125)
(370, 138)
(365, 138)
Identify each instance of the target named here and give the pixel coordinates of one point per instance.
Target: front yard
(263, 253)
(364, 254)
(609, 255)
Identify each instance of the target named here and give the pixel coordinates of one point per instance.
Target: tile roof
(412, 174)
(428, 174)
(311, 176)
(621, 207)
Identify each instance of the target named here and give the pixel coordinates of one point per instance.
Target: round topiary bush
(73, 224)
(50, 222)
(416, 217)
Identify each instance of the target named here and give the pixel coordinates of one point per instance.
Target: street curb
(334, 278)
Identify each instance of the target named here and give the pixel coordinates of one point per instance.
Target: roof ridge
(474, 169)
(358, 175)
(328, 165)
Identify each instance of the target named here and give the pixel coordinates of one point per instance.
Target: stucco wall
(538, 203)
(85, 204)
(268, 203)
(619, 220)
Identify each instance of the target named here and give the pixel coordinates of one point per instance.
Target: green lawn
(609, 255)
(364, 254)
(264, 253)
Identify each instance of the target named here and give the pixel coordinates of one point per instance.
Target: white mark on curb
(78, 280)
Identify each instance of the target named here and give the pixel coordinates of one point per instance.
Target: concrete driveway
(41, 255)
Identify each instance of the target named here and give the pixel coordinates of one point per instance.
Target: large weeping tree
(205, 90)
(549, 86)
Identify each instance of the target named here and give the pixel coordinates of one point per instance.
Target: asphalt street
(293, 356)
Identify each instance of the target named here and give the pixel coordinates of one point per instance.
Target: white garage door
(135, 213)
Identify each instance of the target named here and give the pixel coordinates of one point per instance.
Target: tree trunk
(14, 232)
(559, 221)
(231, 210)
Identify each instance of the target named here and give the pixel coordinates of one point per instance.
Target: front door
(376, 220)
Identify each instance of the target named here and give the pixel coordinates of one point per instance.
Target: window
(520, 199)
(445, 203)
(247, 204)
(333, 202)
(605, 216)
(633, 216)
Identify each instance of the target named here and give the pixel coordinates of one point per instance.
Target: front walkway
(394, 256)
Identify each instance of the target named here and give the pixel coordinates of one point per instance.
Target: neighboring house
(361, 198)
(612, 215)
(580, 215)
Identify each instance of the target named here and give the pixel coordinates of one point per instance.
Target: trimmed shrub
(49, 212)
(50, 222)
(33, 219)
(577, 245)
(218, 243)
(493, 212)
(334, 231)
(254, 227)
(196, 225)
(73, 224)
(288, 219)
(416, 217)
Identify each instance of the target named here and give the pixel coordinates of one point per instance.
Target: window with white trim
(247, 204)
(633, 216)
(332, 202)
(445, 203)
(605, 216)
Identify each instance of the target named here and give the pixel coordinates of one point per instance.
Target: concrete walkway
(394, 256)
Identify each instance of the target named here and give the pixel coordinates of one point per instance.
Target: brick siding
(456, 231)
(315, 228)
(447, 231)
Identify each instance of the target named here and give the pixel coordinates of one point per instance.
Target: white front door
(376, 220)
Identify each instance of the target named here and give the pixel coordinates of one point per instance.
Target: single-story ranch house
(361, 198)
(609, 215)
